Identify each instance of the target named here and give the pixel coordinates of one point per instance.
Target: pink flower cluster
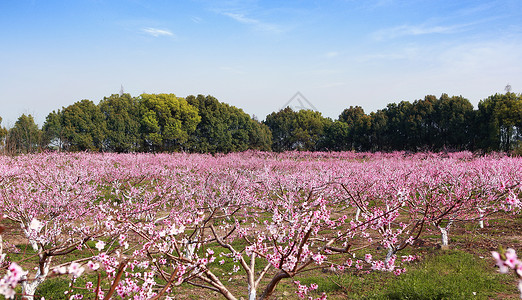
(302, 290)
(10, 280)
(508, 260)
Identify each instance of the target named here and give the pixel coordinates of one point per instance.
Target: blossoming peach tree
(140, 225)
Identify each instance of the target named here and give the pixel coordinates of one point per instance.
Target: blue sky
(256, 54)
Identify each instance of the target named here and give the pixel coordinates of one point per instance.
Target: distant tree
(260, 136)
(400, 127)
(83, 126)
(53, 131)
(337, 137)
(166, 121)
(500, 121)
(25, 137)
(453, 121)
(282, 125)
(121, 113)
(379, 126)
(3, 134)
(302, 130)
(224, 128)
(359, 125)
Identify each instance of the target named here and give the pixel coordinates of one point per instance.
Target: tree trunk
(273, 284)
(391, 252)
(481, 220)
(444, 231)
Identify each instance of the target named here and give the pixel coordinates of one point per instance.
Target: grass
(453, 274)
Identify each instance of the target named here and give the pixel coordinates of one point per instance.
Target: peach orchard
(142, 225)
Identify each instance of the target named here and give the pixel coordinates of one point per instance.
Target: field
(259, 225)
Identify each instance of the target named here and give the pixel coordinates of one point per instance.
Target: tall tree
(3, 134)
(359, 125)
(121, 114)
(500, 121)
(84, 126)
(53, 130)
(454, 120)
(337, 137)
(301, 130)
(166, 121)
(224, 128)
(25, 136)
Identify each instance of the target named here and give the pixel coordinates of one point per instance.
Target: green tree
(3, 134)
(224, 128)
(83, 126)
(25, 136)
(53, 131)
(302, 130)
(500, 121)
(282, 125)
(337, 137)
(121, 113)
(379, 127)
(454, 119)
(359, 125)
(399, 126)
(166, 121)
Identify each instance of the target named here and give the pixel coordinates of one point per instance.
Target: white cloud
(155, 32)
(259, 25)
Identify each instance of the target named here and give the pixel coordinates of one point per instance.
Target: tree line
(164, 123)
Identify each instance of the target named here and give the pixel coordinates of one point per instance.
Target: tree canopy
(165, 122)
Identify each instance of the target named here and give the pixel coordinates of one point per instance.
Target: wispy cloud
(415, 30)
(155, 32)
(406, 53)
(332, 54)
(196, 20)
(257, 24)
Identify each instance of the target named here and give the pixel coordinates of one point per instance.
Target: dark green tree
(121, 113)
(224, 128)
(379, 127)
(53, 131)
(399, 126)
(301, 130)
(83, 126)
(499, 119)
(359, 125)
(337, 137)
(282, 125)
(453, 123)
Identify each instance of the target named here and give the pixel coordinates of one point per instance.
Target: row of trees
(446, 123)
(148, 123)
(164, 122)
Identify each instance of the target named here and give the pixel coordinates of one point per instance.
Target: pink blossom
(100, 245)
(75, 269)
(93, 266)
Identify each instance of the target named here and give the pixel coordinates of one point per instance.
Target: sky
(256, 55)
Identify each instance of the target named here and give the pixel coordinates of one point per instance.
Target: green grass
(450, 274)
